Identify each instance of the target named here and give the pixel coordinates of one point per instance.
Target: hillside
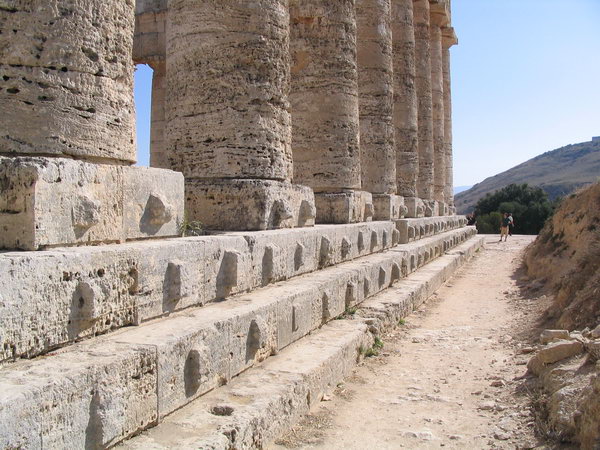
(558, 172)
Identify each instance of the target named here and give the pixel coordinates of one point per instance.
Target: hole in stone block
(133, 281)
(267, 265)
(395, 272)
(325, 311)
(299, 256)
(382, 276)
(252, 341)
(222, 410)
(384, 239)
(191, 373)
(361, 242)
(325, 252)
(294, 320)
(350, 298)
(412, 263)
(366, 287)
(374, 240)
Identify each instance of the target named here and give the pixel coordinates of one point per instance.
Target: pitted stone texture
(67, 78)
(345, 207)
(240, 205)
(55, 201)
(192, 351)
(415, 207)
(324, 95)
(260, 405)
(423, 85)
(56, 297)
(448, 39)
(415, 229)
(438, 19)
(227, 85)
(153, 202)
(405, 98)
(388, 207)
(89, 397)
(376, 99)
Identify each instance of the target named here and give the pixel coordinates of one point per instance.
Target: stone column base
(388, 207)
(49, 202)
(415, 207)
(344, 207)
(249, 204)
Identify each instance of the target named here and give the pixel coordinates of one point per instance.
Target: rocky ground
(451, 375)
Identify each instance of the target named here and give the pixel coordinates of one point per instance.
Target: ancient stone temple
(310, 138)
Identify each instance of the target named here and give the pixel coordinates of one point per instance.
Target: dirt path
(448, 377)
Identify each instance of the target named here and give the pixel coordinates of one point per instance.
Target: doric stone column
(228, 126)
(449, 39)
(67, 130)
(324, 105)
(439, 18)
(376, 103)
(424, 95)
(405, 106)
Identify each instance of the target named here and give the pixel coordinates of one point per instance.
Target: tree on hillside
(529, 205)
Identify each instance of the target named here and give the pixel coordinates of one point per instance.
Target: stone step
(266, 401)
(115, 385)
(52, 298)
(418, 228)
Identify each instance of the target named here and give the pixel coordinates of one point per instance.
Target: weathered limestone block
(227, 85)
(376, 100)
(439, 19)
(140, 374)
(55, 201)
(324, 95)
(52, 298)
(548, 336)
(89, 397)
(415, 229)
(405, 98)
(425, 180)
(415, 207)
(388, 207)
(344, 207)
(222, 204)
(67, 79)
(152, 202)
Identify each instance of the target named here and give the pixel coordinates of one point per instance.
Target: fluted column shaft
(376, 102)
(424, 95)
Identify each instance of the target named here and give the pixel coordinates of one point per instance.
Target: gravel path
(449, 376)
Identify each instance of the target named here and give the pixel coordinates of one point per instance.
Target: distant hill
(558, 172)
(459, 189)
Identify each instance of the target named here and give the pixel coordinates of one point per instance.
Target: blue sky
(525, 80)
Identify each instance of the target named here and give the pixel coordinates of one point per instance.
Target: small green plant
(361, 350)
(351, 310)
(402, 322)
(378, 344)
(190, 227)
(371, 352)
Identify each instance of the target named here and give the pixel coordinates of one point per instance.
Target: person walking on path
(504, 227)
(511, 224)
